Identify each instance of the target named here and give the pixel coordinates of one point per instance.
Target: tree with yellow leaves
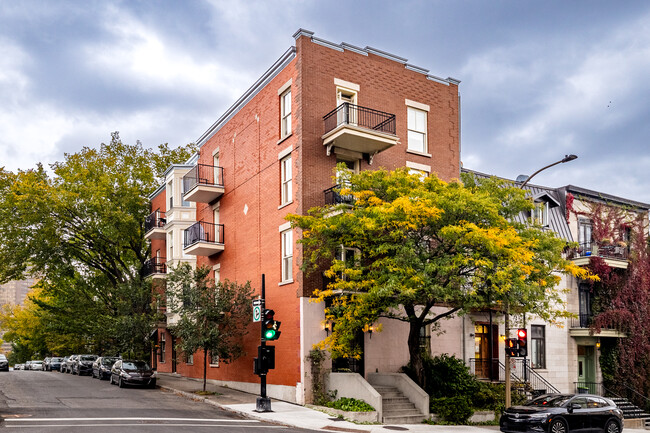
(414, 244)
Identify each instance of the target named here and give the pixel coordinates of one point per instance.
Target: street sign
(257, 313)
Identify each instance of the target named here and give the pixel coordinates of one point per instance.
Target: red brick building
(273, 153)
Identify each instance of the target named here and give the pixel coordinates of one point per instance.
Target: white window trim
(417, 105)
(284, 87)
(286, 132)
(285, 152)
(416, 166)
(425, 133)
(347, 85)
(286, 183)
(285, 256)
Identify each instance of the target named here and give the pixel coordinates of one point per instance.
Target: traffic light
(511, 347)
(522, 342)
(265, 360)
(270, 327)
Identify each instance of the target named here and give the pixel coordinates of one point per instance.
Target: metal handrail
(599, 249)
(202, 174)
(155, 219)
(333, 196)
(155, 265)
(202, 231)
(350, 114)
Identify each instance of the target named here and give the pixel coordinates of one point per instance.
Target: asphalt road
(34, 401)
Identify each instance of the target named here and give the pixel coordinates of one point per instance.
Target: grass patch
(206, 393)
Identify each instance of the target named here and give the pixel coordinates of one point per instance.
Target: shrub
(350, 405)
(454, 410)
(446, 376)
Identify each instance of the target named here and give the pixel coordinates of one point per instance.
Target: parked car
(46, 361)
(132, 372)
(64, 362)
(102, 367)
(18, 366)
(564, 413)
(4, 364)
(83, 364)
(28, 365)
(36, 365)
(54, 364)
(67, 366)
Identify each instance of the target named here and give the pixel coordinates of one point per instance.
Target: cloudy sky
(538, 79)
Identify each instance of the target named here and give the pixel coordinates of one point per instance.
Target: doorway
(486, 352)
(586, 367)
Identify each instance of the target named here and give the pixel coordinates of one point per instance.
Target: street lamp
(566, 158)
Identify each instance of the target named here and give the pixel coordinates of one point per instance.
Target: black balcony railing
(607, 251)
(203, 174)
(333, 196)
(203, 232)
(155, 265)
(349, 114)
(156, 219)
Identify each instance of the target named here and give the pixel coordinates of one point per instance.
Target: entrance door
(587, 368)
(173, 354)
(351, 364)
(486, 354)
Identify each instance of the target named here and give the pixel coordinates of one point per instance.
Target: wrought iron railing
(585, 321)
(608, 251)
(155, 219)
(521, 374)
(349, 114)
(203, 174)
(333, 196)
(155, 265)
(202, 231)
(583, 387)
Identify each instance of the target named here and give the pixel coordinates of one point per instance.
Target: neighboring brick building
(273, 153)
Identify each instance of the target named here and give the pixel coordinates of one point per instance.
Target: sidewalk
(294, 415)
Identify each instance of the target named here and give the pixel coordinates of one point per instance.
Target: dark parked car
(54, 364)
(102, 367)
(564, 413)
(131, 372)
(4, 364)
(83, 364)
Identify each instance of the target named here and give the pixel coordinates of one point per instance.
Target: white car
(36, 365)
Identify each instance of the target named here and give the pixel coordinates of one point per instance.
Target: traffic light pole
(263, 403)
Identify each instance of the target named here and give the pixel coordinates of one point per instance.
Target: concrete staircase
(397, 409)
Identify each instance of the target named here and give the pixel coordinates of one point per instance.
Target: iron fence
(349, 114)
(202, 174)
(155, 265)
(202, 231)
(155, 219)
(333, 196)
(606, 250)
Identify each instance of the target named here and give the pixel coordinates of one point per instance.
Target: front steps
(396, 408)
(630, 411)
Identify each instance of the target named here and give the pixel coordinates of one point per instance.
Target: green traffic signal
(269, 334)
(270, 327)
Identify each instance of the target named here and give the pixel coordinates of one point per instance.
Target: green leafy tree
(79, 227)
(212, 317)
(413, 244)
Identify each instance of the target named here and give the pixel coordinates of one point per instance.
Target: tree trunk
(415, 353)
(205, 367)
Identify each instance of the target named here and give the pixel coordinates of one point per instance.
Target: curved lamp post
(566, 158)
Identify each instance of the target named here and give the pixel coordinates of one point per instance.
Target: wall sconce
(369, 329)
(598, 344)
(327, 326)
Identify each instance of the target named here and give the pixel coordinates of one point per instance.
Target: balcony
(203, 184)
(614, 255)
(154, 225)
(581, 328)
(203, 239)
(155, 267)
(334, 197)
(359, 129)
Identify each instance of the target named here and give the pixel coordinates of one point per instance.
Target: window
(217, 170)
(213, 360)
(538, 346)
(285, 113)
(162, 347)
(170, 243)
(285, 168)
(287, 255)
(425, 339)
(417, 130)
(183, 201)
(584, 235)
(170, 192)
(540, 213)
(189, 358)
(350, 257)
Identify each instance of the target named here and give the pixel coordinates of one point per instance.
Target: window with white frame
(213, 359)
(285, 113)
(349, 256)
(540, 213)
(189, 358)
(286, 178)
(417, 130)
(170, 192)
(287, 255)
(538, 346)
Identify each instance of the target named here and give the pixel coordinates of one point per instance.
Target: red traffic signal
(522, 342)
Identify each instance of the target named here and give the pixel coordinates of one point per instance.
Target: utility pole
(508, 386)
